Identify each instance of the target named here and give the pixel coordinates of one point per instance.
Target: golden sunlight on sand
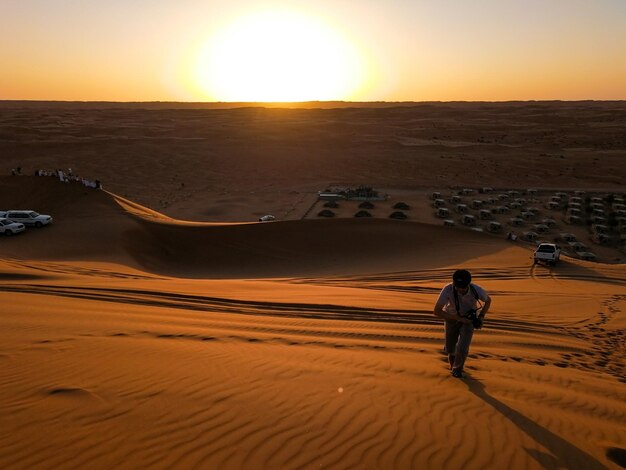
(132, 339)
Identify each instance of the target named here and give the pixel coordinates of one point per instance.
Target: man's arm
(486, 306)
(439, 312)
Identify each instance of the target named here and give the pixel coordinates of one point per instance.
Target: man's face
(462, 290)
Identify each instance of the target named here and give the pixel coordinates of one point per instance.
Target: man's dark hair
(461, 278)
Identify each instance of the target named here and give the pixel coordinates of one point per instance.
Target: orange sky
(361, 50)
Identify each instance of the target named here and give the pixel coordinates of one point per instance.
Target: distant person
(456, 301)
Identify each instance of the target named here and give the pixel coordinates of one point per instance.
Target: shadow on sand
(564, 454)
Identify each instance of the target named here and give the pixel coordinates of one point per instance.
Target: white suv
(8, 227)
(28, 217)
(548, 253)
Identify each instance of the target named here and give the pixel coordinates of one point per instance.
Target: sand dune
(126, 369)
(93, 225)
(130, 338)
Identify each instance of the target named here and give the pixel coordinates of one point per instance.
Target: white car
(28, 217)
(548, 253)
(8, 227)
(267, 218)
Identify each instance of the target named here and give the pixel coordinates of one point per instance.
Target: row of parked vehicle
(16, 221)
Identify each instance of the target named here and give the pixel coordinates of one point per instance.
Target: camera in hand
(475, 319)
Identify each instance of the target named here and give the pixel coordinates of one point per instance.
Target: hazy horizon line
(284, 104)
(310, 101)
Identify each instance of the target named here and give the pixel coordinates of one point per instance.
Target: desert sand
(156, 324)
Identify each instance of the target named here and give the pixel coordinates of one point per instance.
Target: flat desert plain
(155, 323)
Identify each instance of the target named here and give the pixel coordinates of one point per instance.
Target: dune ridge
(110, 227)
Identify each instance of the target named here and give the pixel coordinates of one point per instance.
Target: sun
(278, 56)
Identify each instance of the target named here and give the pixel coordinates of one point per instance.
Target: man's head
(461, 279)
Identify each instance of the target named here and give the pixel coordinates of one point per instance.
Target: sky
(300, 50)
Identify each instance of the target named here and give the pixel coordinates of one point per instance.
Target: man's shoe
(457, 373)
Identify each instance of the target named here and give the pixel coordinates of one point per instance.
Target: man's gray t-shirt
(467, 302)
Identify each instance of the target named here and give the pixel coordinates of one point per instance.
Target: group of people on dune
(63, 176)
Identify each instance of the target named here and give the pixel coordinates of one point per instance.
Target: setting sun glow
(278, 56)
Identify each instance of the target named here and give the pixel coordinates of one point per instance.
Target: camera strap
(456, 298)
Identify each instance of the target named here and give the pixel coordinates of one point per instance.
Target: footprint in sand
(73, 394)
(68, 391)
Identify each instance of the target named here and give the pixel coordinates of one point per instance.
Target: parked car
(578, 247)
(29, 218)
(530, 236)
(567, 237)
(8, 227)
(468, 220)
(442, 213)
(485, 214)
(267, 218)
(548, 253)
(494, 227)
(586, 255)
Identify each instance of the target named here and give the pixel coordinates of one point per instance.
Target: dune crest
(93, 225)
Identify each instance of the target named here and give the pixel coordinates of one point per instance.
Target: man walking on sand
(456, 300)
